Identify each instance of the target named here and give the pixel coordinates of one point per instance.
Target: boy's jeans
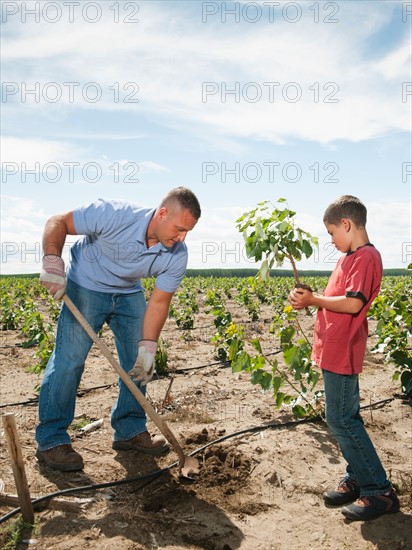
(124, 314)
(346, 425)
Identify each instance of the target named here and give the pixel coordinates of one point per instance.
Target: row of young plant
(392, 308)
(21, 299)
(285, 370)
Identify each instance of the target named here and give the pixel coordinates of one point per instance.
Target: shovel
(187, 464)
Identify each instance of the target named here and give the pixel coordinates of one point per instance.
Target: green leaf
(233, 349)
(280, 397)
(286, 334)
(276, 383)
(406, 381)
(283, 226)
(259, 229)
(299, 411)
(261, 377)
(306, 248)
(256, 344)
(402, 358)
(241, 362)
(289, 353)
(264, 270)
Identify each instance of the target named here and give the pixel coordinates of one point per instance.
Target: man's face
(174, 225)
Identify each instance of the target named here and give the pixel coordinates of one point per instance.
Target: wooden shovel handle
(146, 405)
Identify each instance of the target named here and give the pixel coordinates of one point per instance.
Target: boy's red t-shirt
(339, 342)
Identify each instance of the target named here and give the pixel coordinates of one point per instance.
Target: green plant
(292, 383)
(393, 311)
(228, 339)
(42, 353)
(213, 298)
(32, 327)
(272, 234)
(11, 314)
(80, 422)
(185, 319)
(11, 535)
(161, 358)
(252, 305)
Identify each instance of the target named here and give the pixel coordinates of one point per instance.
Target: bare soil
(257, 489)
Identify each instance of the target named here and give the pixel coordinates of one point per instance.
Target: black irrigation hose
(35, 400)
(150, 476)
(156, 473)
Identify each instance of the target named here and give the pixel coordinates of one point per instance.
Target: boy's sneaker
(372, 507)
(347, 491)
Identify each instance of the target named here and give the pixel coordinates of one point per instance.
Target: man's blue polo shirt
(112, 255)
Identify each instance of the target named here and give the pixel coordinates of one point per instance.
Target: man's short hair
(346, 206)
(183, 199)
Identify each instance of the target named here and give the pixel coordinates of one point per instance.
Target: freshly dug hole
(226, 468)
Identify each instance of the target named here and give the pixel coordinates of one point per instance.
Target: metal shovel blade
(189, 468)
(187, 464)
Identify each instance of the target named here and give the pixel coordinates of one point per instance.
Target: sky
(241, 102)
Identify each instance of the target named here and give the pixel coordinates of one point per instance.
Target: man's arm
(156, 314)
(53, 276)
(153, 322)
(300, 299)
(55, 232)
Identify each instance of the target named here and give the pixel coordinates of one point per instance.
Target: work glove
(53, 275)
(144, 367)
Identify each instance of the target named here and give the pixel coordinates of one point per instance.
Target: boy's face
(341, 235)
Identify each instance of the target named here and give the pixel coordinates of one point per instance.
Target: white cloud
(150, 166)
(21, 228)
(32, 151)
(23, 156)
(396, 64)
(329, 67)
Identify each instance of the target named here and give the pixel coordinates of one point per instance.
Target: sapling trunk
(298, 283)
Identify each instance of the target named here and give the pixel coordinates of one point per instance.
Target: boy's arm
(300, 298)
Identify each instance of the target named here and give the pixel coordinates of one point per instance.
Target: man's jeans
(346, 425)
(124, 315)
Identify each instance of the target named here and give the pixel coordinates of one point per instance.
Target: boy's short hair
(346, 206)
(183, 198)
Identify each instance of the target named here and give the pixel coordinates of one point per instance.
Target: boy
(340, 335)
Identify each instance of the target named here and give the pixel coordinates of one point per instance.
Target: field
(263, 467)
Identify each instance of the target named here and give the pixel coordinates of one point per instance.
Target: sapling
(271, 234)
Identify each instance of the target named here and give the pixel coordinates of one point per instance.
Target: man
(121, 243)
